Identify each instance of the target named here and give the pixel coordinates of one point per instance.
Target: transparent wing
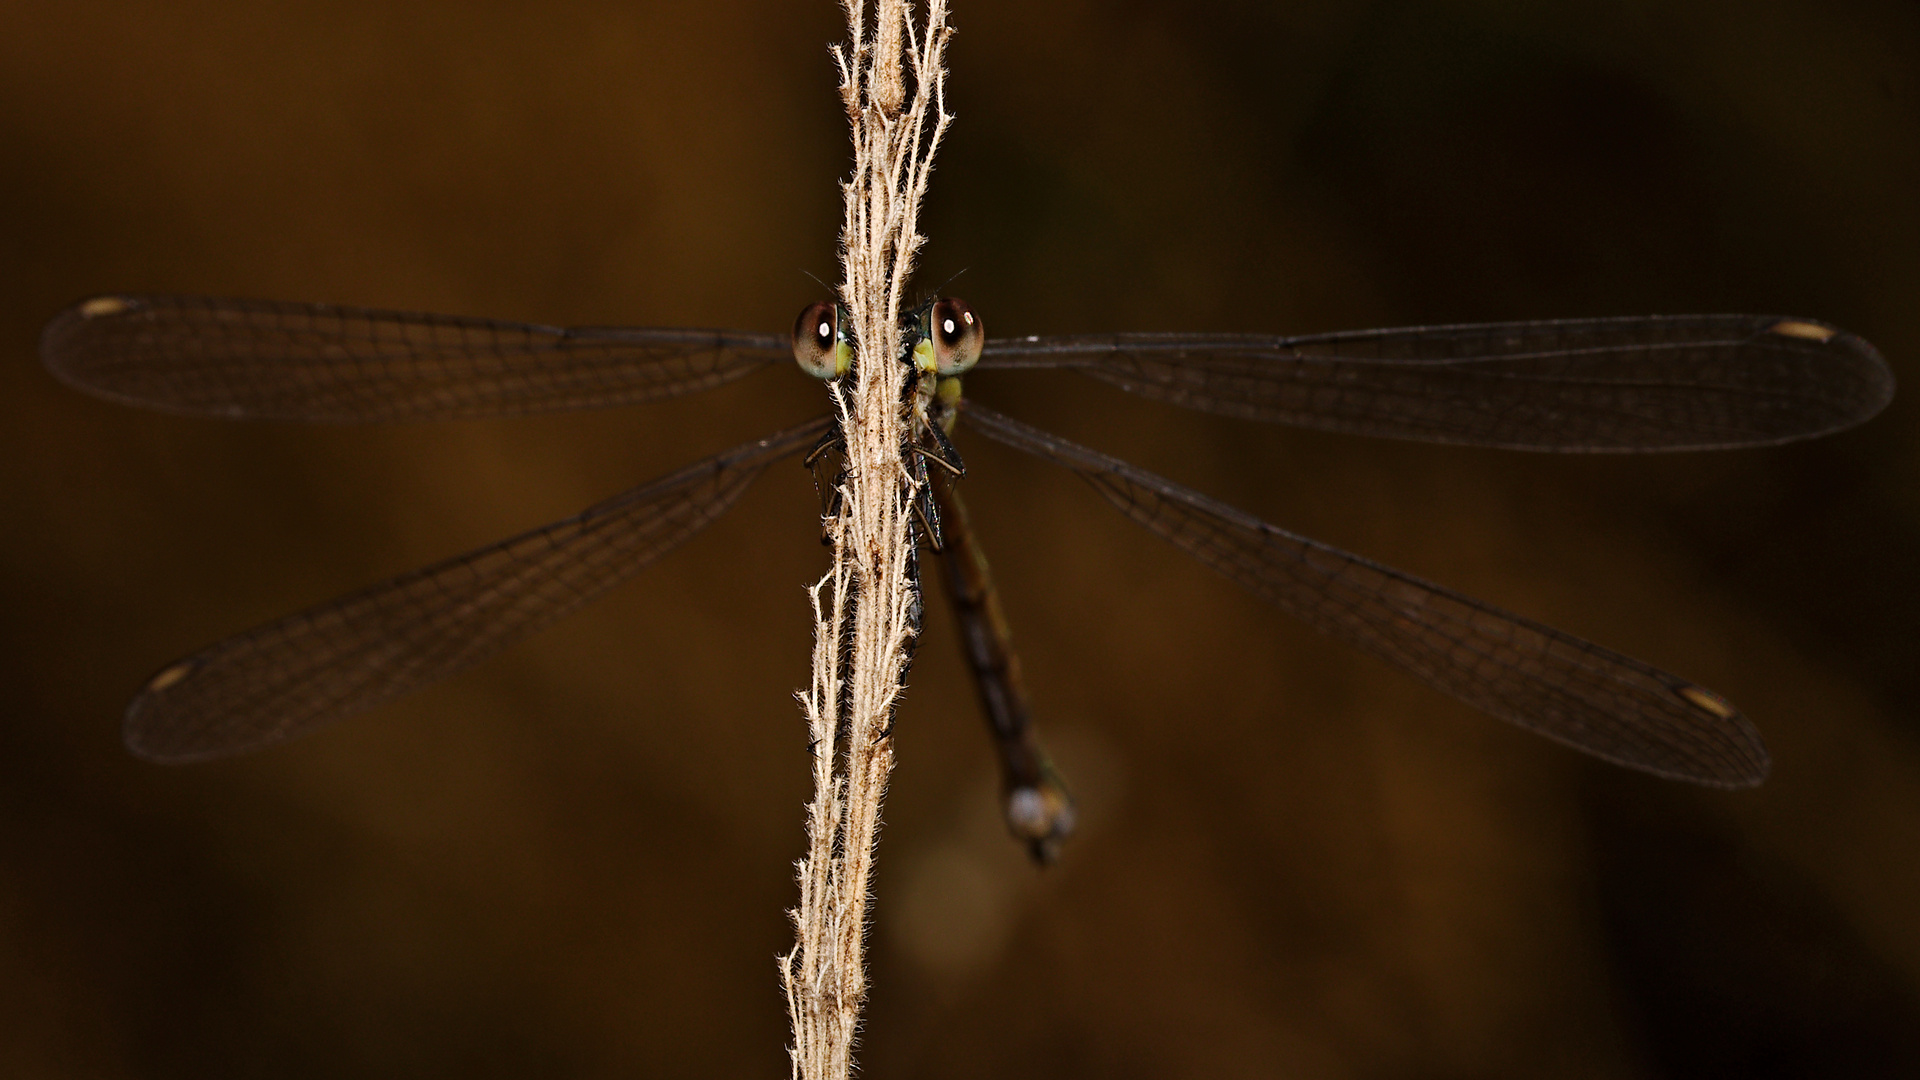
(1569, 690)
(293, 675)
(252, 359)
(1691, 382)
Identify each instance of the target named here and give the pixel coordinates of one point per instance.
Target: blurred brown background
(574, 861)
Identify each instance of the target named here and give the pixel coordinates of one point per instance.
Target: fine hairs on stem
(866, 608)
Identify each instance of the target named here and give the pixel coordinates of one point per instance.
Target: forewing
(252, 359)
(1690, 382)
(1569, 690)
(293, 675)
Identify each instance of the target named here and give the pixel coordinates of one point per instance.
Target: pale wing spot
(170, 676)
(1707, 701)
(1807, 330)
(104, 305)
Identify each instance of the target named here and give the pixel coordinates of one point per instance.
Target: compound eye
(957, 336)
(817, 345)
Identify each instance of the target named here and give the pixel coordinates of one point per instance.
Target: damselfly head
(820, 343)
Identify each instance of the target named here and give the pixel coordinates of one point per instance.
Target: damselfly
(1590, 386)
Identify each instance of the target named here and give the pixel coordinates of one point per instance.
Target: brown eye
(957, 336)
(817, 345)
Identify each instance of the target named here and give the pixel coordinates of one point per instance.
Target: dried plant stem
(866, 609)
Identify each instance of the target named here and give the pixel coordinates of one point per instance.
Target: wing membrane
(269, 360)
(1552, 683)
(1581, 385)
(298, 673)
